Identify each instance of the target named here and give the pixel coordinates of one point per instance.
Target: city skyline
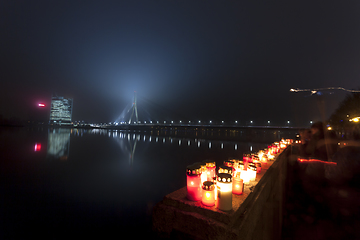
(186, 60)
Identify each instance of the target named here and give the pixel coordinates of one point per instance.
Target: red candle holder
(193, 178)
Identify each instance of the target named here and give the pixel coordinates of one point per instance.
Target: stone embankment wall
(257, 214)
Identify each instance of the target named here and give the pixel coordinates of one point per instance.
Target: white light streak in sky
(314, 91)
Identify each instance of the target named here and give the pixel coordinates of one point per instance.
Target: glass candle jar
(208, 194)
(193, 178)
(244, 175)
(210, 170)
(252, 172)
(224, 191)
(238, 185)
(258, 167)
(225, 169)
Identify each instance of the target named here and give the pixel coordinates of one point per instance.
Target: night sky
(187, 60)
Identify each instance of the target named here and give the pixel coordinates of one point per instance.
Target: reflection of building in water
(58, 143)
(61, 110)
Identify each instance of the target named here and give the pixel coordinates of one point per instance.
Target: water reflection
(58, 143)
(238, 141)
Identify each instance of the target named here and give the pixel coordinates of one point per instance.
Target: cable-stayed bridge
(129, 119)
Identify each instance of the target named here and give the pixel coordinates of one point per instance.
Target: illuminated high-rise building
(61, 110)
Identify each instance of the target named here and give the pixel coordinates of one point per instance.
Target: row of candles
(207, 185)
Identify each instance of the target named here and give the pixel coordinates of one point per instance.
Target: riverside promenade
(290, 199)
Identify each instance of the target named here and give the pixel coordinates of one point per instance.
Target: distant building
(61, 110)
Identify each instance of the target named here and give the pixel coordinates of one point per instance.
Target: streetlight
(210, 121)
(236, 122)
(222, 122)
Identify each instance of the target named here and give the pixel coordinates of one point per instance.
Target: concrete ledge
(256, 214)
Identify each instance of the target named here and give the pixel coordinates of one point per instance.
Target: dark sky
(187, 60)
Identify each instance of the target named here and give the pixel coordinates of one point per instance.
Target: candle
(224, 184)
(252, 172)
(210, 170)
(258, 167)
(244, 175)
(203, 172)
(215, 184)
(208, 194)
(224, 169)
(193, 176)
(238, 185)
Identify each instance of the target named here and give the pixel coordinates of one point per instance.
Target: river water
(57, 183)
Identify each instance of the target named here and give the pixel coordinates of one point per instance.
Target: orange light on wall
(238, 185)
(208, 194)
(224, 184)
(302, 160)
(193, 178)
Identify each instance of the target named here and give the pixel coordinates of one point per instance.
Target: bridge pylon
(134, 110)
